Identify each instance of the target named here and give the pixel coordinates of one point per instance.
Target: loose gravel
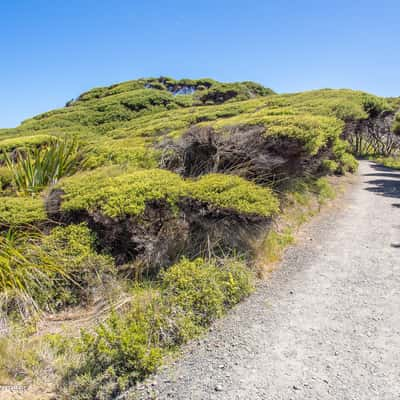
(325, 325)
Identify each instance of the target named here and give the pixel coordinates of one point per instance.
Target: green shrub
(374, 105)
(329, 166)
(324, 190)
(196, 288)
(17, 211)
(117, 193)
(25, 142)
(72, 248)
(233, 192)
(390, 162)
(5, 177)
(347, 163)
(130, 345)
(122, 350)
(275, 243)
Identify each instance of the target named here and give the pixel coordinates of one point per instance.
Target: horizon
(57, 51)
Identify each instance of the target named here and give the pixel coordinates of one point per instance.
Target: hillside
(160, 195)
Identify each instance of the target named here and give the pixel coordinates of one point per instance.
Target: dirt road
(326, 325)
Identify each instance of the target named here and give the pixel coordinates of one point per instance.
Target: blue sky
(52, 50)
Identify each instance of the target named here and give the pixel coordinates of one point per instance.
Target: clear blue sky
(52, 50)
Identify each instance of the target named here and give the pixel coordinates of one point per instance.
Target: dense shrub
(348, 163)
(50, 271)
(203, 290)
(25, 142)
(73, 249)
(130, 345)
(390, 162)
(17, 211)
(396, 125)
(116, 193)
(232, 192)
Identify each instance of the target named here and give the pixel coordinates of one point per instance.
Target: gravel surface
(326, 325)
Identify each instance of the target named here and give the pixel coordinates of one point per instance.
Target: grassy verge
(301, 202)
(390, 162)
(131, 342)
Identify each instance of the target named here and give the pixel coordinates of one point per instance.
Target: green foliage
(348, 163)
(197, 288)
(25, 142)
(25, 269)
(17, 211)
(396, 125)
(19, 358)
(5, 178)
(390, 162)
(329, 166)
(134, 152)
(34, 170)
(116, 193)
(275, 243)
(50, 271)
(122, 350)
(129, 346)
(220, 93)
(72, 248)
(324, 190)
(375, 105)
(235, 193)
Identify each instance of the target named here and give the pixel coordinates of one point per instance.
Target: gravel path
(326, 325)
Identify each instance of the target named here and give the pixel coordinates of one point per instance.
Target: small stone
(218, 388)
(295, 387)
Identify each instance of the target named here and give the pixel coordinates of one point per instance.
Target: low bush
(324, 190)
(390, 162)
(73, 249)
(6, 177)
(117, 193)
(19, 211)
(204, 290)
(233, 192)
(329, 166)
(25, 142)
(347, 163)
(50, 271)
(130, 345)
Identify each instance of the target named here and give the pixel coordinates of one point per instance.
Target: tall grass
(33, 170)
(25, 269)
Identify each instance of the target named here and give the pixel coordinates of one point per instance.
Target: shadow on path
(387, 183)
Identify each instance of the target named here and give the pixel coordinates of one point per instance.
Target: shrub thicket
(116, 193)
